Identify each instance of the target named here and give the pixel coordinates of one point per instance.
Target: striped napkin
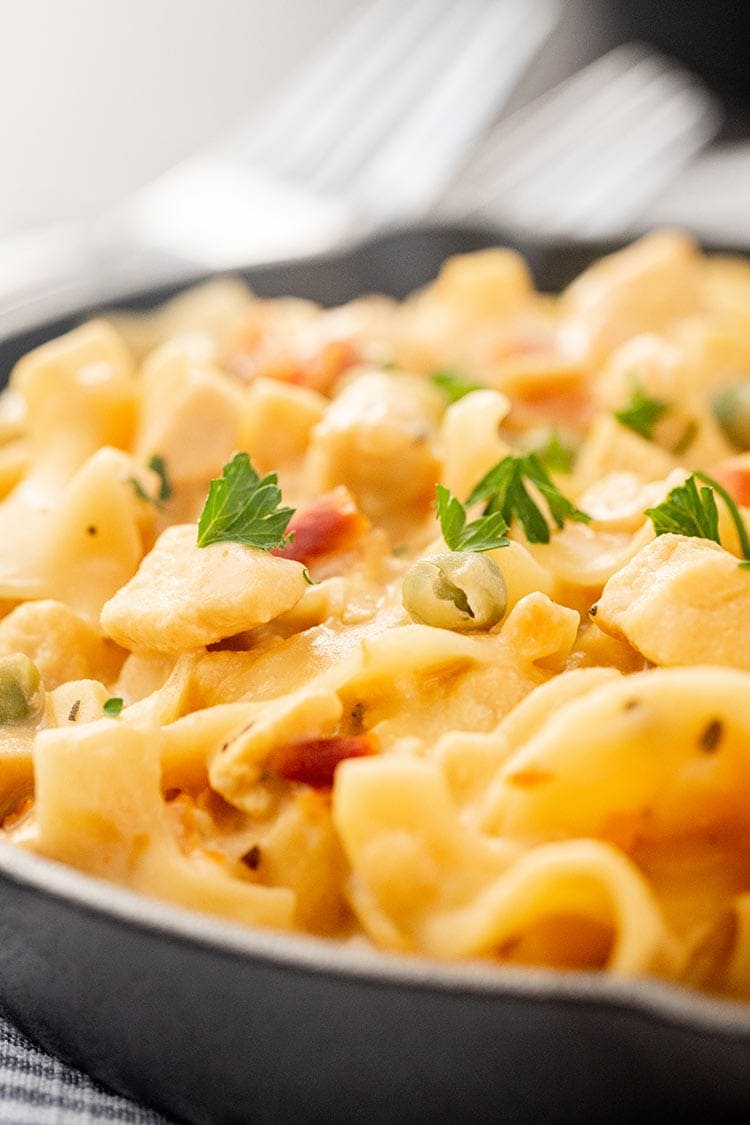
(36, 1089)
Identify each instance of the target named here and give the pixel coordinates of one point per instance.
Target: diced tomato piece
(333, 359)
(316, 364)
(736, 480)
(313, 761)
(328, 524)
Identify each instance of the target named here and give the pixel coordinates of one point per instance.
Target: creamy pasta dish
(421, 624)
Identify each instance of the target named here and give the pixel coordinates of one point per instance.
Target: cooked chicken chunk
(377, 438)
(62, 645)
(680, 601)
(184, 596)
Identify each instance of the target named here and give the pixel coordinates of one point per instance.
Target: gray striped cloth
(36, 1089)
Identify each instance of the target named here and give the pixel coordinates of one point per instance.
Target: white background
(98, 96)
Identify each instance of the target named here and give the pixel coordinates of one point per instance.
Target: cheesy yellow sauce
(568, 787)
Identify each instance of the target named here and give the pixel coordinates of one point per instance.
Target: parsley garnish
(641, 413)
(557, 453)
(158, 465)
(243, 507)
(453, 385)
(504, 491)
(690, 511)
(140, 491)
(483, 534)
(113, 706)
(687, 510)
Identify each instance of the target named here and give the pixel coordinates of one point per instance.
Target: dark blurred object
(712, 37)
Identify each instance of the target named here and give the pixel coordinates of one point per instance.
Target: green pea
(459, 591)
(21, 693)
(731, 407)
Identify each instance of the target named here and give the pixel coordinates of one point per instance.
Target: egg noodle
(508, 718)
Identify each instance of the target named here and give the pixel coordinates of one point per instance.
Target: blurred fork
(585, 159)
(370, 134)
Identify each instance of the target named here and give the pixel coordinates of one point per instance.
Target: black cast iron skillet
(210, 1022)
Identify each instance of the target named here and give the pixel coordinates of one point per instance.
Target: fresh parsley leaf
(641, 413)
(503, 490)
(158, 465)
(140, 491)
(483, 534)
(556, 451)
(243, 507)
(688, 510)
(113, 706)
(453, 385)
(733, 510)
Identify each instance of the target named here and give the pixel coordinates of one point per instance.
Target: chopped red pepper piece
(736, 480)
(313, 761)
(328, 524)
(568, 403)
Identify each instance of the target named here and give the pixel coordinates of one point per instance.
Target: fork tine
(432, 139)
(645, 161)
(287, 112)
(598, 126)
(352, 91)
(544, 161)
(534, 136)
(401, 77)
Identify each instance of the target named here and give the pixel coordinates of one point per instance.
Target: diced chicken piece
(77, 701)
(539, 629)
(62, 645)
(680, 601)
(474, 312)
(212, 310)
(678, 376)
(75, 540)
(184, 596)
(79, 392)
(94, 534)
(484, 284)
(377, 439)
(190, 415)
(640, 289)
(612, 448)
(277, 421)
